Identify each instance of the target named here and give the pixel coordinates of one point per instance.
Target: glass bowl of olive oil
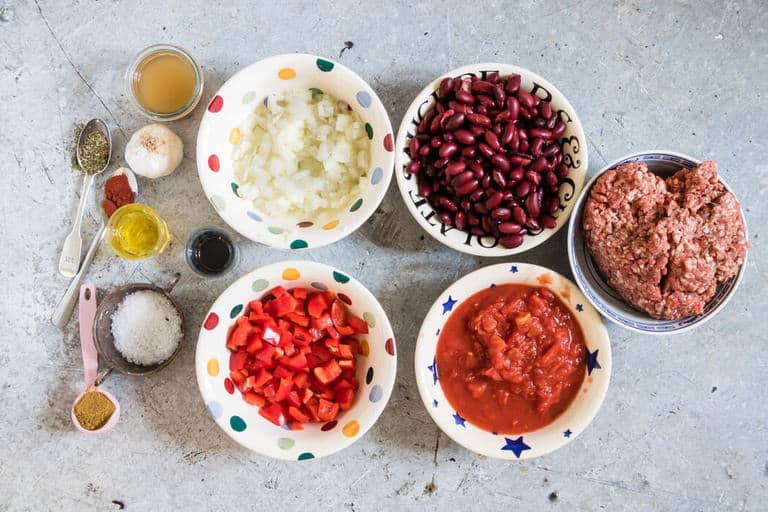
(135, 231)
(165, 82)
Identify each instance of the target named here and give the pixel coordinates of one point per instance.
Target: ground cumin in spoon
(93, 410)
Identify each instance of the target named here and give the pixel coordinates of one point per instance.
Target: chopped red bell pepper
(274, 413)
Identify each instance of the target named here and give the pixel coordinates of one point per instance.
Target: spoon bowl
(111, 422)
(94, 125)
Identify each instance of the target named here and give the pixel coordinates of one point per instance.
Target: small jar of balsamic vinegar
(165, 82)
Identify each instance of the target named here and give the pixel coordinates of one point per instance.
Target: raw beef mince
(665, 245)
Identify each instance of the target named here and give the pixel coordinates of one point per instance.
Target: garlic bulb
(154, 151)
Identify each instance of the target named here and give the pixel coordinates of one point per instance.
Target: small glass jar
(135, 231)
(134, 71)
(211, 252)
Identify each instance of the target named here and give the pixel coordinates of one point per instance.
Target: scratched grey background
(684, 424)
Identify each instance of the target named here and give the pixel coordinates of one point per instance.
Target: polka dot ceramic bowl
(237, 99)
(525, 445)
(377, 365)
(573, 144)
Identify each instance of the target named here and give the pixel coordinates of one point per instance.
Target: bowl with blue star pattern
(588, 378)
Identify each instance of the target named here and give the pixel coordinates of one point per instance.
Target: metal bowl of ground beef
(658, 242)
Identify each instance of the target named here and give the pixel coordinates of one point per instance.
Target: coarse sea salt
(146, 328)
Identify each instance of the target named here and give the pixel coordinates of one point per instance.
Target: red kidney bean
(455, 168)
(550, 150)
(479, 120)
(539, 122)
(424, 150)
(485, 101)
(413, 147)
(425, 121)
(536, 146)
(562, 170)
(545, 109)
(465, 98)
(467, 188)
(499, 95)
(524, 113)
(485, 150)
(551, 123)
(518, 214)
(511, 241)
(481, 209)
(424, 189)
(527, 99)
(501, 214)
(492, 140)
(547, 221)
(499, 179)
(522, 189)
(482, 87)
(441, 162)
(455, 121)
(464, 136)
(523, 147)
(510, 228)
(445, 218)
(460, 107)
(445, 88)
(550, 178)
(503, 117)
(533, 205)
(494, 200)
(476, 195)
(540, 132)
(477, 231)
(473, 219)
(501, 162)
(519, 160)
(447, 136)
(448, 149)
(513, 106)
(414, 167)
(460, 221)
(513, 84)
(448, 204)
(533, 177)
(516, 174)
(487, 224)
(538, 165)
(559, 130)
(477, 131)
(468, 151)
(435, 142)
(482, 110)
(461, 179)
(434, 126)
(552, 204)
(494, 77)
(533, 224)
(507, 134)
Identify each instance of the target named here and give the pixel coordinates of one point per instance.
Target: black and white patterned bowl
(573, 143)
(594, 284)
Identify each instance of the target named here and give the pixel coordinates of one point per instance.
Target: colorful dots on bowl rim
(285, 443)
(389, 346)
(305, 456)
(369, 319)
(305, 224)
(329, 426)
(369, 375)
(389, 144)
(318, 286)
(299, 244)
(249, 97)
(340, 278)
(376, 394)
(237, 423)
(212, 367)
(351, 428)
(343, 297)
(213, 163)
(259, 285)
(377, 175)
(229, 386)
(215, 409)
(218, 202)
(211, 321)
(324, 65)
(254, 216)
(331, 225)
(235, 188)
(365, 348)
(356, 205)
(234, 136)
(363, 99)
(369, 131)
(291, 274)
(286, 74)
(216, 104)
(235, 311)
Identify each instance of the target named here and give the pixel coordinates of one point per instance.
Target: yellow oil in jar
(135, 231)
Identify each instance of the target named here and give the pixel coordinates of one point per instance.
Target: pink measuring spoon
(87, 314)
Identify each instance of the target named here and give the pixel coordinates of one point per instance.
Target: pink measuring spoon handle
(87, 315)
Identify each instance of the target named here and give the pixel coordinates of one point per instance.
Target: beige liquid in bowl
(164, 82)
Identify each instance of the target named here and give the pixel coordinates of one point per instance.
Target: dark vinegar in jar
(211, 253)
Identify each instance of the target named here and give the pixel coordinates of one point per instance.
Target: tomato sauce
(511, 358)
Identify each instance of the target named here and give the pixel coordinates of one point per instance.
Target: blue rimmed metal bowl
(594, 284)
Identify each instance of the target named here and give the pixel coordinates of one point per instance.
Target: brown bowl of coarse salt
(139, 328)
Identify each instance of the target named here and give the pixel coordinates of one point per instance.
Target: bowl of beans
(490, 159)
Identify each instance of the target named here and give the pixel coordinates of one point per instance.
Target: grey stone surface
(684, 425)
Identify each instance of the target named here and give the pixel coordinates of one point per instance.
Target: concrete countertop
(684, 425)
